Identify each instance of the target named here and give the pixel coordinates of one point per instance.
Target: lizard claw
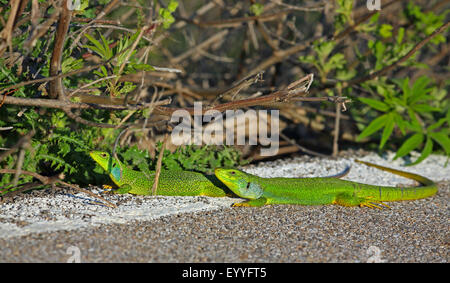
(107, 188)
(237, 204)
(374, 204)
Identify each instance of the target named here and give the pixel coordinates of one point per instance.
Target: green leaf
(345, 74)
(374, 126)
(415, 124)
(424, 108)
(400, 122)
(406, 89)
(144, 67)
(166, 14)
(307, 59)
(419, 90)
(173, 5)
(387, 131)
(410, 144)
(447, 116)
(323, 49)
(385, 30)
(106, 48)
(384, 90)
(442, 139)
(436, 125)
(400, 34)
(376, 104)
(95, 49)
(64, 148)
(337, 61)
(257, 9)
(70, 64)
(427, 150)
(93, 40)
(98, 46)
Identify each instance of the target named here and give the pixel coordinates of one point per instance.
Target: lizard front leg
(124, 189)
(253, 202)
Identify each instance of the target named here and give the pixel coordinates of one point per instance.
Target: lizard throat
(116, 173)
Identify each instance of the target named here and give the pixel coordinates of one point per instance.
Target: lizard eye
(233, 172)
(103, 154)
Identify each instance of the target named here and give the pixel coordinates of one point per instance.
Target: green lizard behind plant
(320, 191)
(171, 182)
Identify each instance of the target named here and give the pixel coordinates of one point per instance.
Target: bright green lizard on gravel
(260, 191)
(320, 191)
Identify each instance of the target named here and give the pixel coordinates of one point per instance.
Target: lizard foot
(351, 200)
(240, 204)
(107, 188)
(373, 203)
(253, 202)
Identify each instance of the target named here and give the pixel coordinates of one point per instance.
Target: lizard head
(239, 182)
(102, 158)
(108, 163)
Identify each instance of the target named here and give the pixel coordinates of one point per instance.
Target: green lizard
(171, 182)
(320, 191)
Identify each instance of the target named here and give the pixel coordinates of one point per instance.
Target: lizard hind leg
(124, 189)
(346, 199)
(253, 202)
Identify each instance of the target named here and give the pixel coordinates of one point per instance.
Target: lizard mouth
(221, 175)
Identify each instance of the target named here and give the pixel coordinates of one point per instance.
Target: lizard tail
(424, 181)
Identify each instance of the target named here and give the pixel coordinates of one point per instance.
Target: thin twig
(110, 204)
(337, 121)
(56, 86)
(57, 104)
(19, 189)
(240, 85)
(200, 46)
(317, 7)
(25, 139)
(43, 179)
(159, 165)
(20, 160)
(239, 21)
(91, 83)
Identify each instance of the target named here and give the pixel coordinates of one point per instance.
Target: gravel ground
(53, 226)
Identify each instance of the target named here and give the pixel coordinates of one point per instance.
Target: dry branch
(56, 86)
(293, 91)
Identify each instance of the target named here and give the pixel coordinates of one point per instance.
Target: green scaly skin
(320, 191)
(171, 182)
